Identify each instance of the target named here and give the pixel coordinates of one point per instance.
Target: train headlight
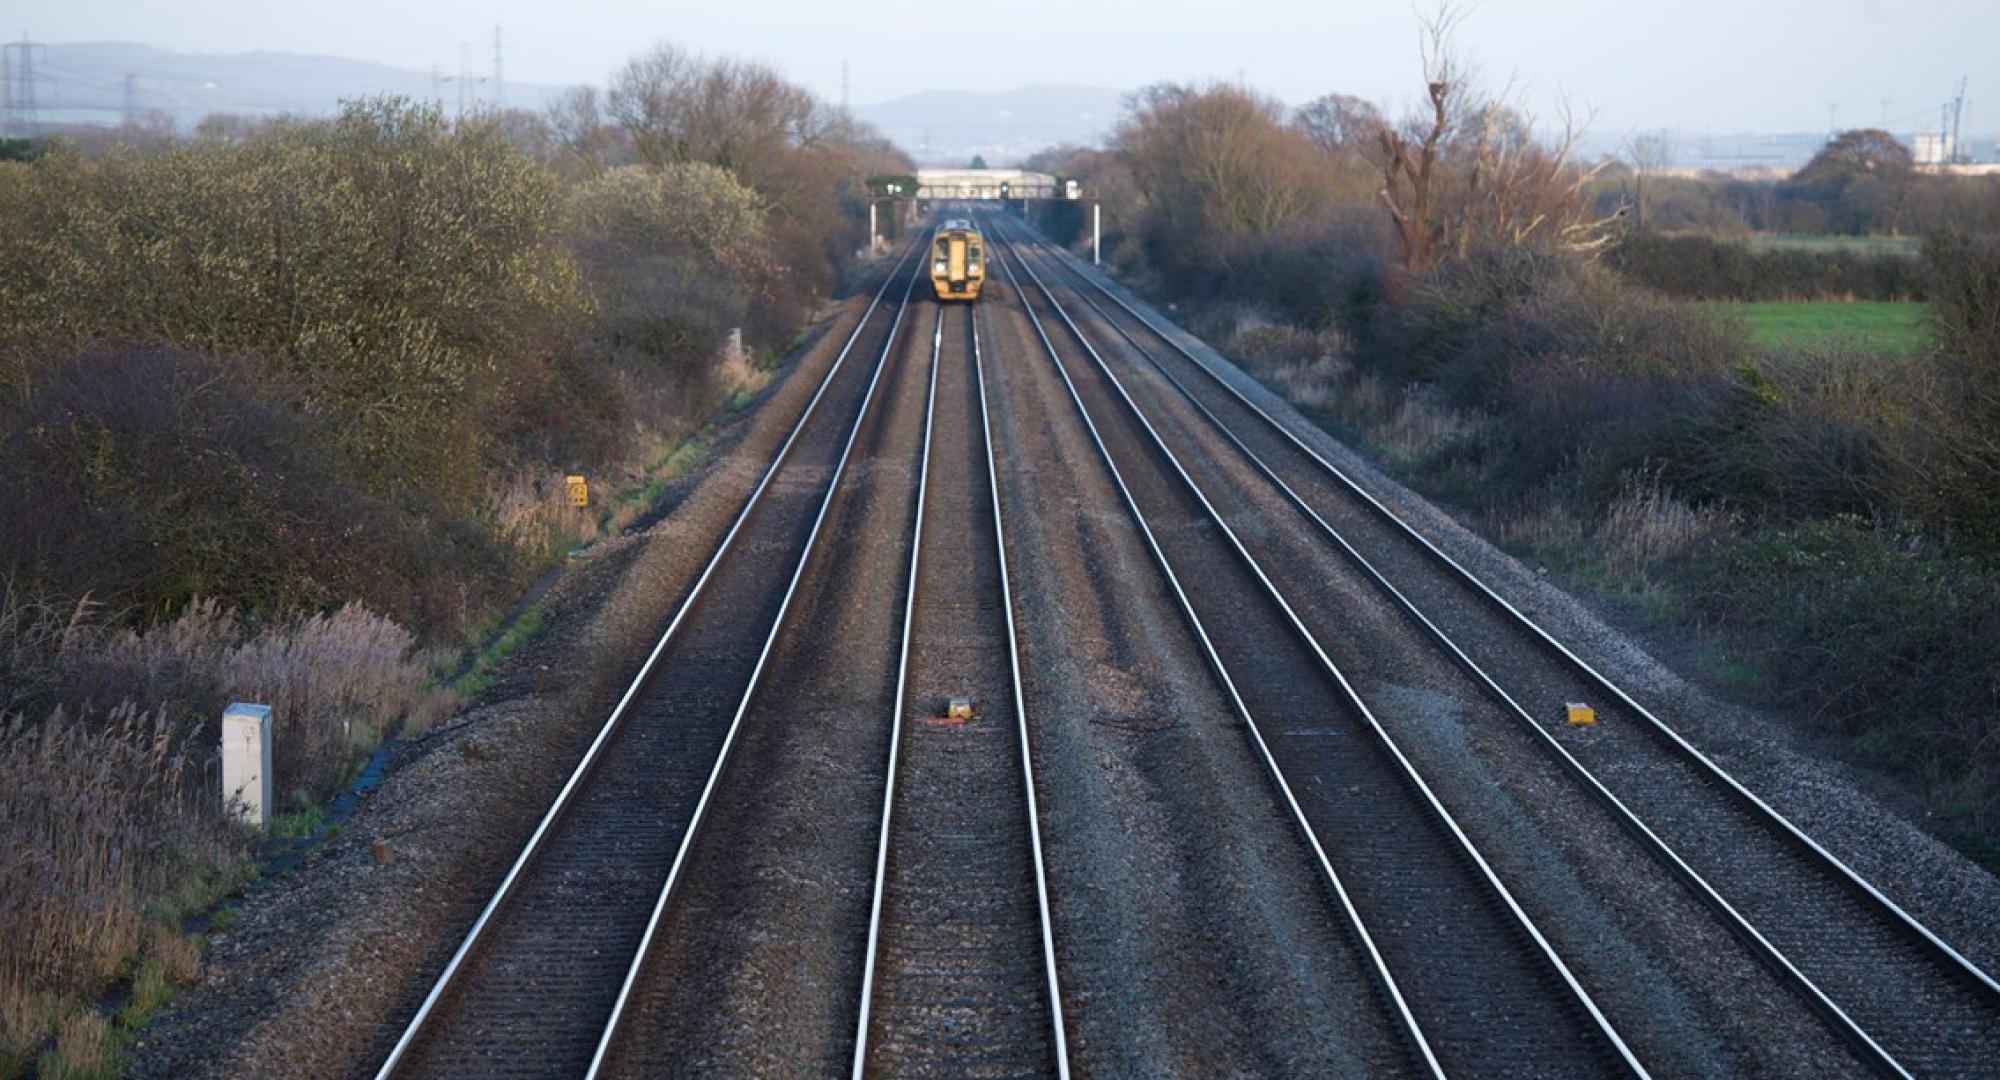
(938, 267)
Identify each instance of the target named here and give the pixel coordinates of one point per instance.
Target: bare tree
(1340, 123)
(1468, 171)
(1409, 153)
(583, 144)
(1650, 154)
(1220, 161)
(679, 108)
(1525, 191)
(1346, 130)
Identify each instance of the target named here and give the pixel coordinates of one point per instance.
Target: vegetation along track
(1906, 1001)
(960, 978)
(1474, 982)
(535, 987)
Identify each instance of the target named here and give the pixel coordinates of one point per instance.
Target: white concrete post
(1096, 230)
(246, 763)
(871, 226)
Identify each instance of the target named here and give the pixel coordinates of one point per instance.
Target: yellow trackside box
(579, 491)
(1580, 715)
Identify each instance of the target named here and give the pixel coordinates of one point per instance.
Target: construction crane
(1957, 148)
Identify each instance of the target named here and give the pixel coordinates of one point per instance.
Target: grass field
(1828, 243)
(1880, 326)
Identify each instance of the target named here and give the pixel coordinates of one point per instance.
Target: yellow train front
(958, 261)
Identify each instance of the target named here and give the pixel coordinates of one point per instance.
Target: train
(958, 261)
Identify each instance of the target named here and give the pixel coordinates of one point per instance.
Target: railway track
(1196, 939)
(960, 977)
(959, 974)
(539, 983)
(1411, 887)
(1902, 998)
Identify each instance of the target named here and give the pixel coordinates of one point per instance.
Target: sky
(1694, 65)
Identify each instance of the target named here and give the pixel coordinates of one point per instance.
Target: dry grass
(86, 1049)
(98, 819)
(1310, 384)
(26, 1022)
(179, 955)
(531, 509)
(1312, 371)
(1309, 369)
(738, 373)
(1647, 524)
(530, 506)
(1547, 525)
(1422, 424)
(109, 800)
(335, 682)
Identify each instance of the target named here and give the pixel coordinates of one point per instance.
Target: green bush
(1695, 267)
(1964, 422)
(401, 274)
(147, 478)
(673, 256)
(1890, 638)
(1581, 372)
(1811, 433)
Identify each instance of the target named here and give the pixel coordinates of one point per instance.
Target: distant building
(1933, 148)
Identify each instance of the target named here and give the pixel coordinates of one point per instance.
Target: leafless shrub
(802, 158)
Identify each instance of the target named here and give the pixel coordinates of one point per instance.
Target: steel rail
(1021, 713)
(881, 885)
(1738, 924)
(644, 949)
(1499, 889)
(1060, 1039)
(561, 803)
(1954, 960)
(1378, 965)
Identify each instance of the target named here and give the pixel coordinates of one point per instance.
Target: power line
(21, 80)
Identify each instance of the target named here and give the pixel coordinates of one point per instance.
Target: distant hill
(1001, 127)
(87, 83)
